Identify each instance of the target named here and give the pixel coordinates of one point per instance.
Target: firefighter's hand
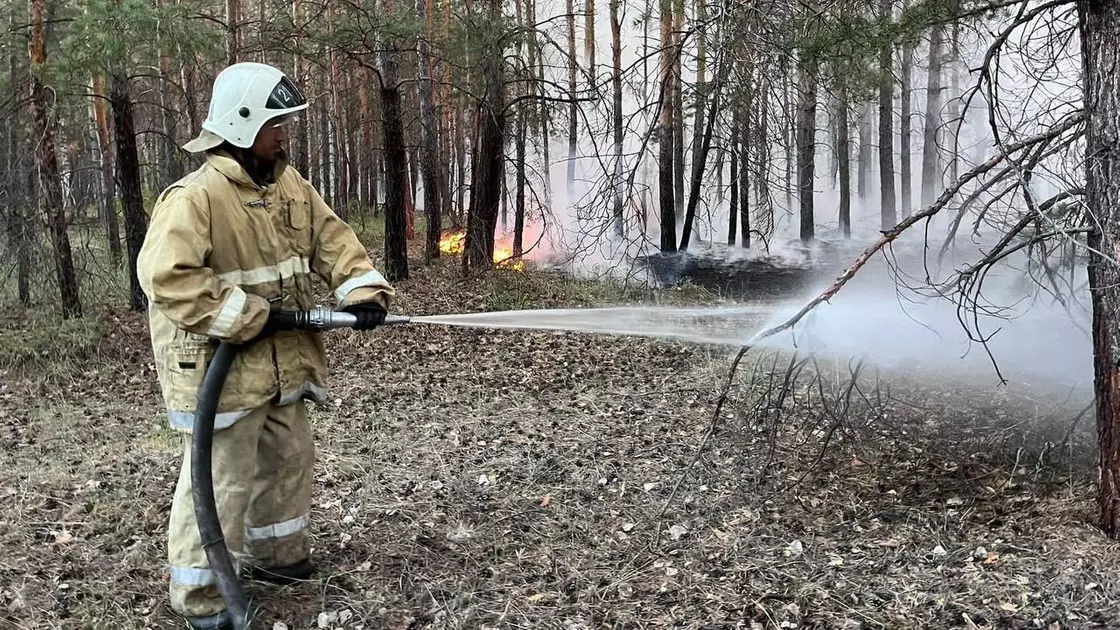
(370, 315)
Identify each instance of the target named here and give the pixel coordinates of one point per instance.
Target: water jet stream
(717, 325)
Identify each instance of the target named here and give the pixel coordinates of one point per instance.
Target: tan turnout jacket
(219, 252)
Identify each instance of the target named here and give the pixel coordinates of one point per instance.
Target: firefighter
(228, 245)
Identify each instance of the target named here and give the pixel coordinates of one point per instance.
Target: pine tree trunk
(1100, 43)
(429, 136)
(486, 179)
(302, 138)
(589, 39)
(573, 107)
(790, 131)
(170, 150)
(701, 163)
(733, 211)
(132, 199)
(904, 131)
(806, 146)
(519, 190)
(326, 157)
(396, 168)
(616, 119)
(863, 187)
(546, 137)
(888, 210)
(701, 74)
(931, 167)
(744, 142)
(954, 98)
(844, 154)
(461, 164)
(17, 221)
(678, 107)
(187, 76)
(46, 161)
(108, 177)
(764, 220)
(233, 47)
(665, 133)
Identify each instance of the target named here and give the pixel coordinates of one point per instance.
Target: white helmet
(245, 97)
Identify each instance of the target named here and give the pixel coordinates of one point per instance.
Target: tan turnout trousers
(262, 467)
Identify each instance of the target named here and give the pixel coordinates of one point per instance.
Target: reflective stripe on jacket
(219, 249)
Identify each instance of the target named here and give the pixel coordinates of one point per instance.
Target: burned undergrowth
(476, 479)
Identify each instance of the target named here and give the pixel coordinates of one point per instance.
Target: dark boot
(220, 621)
(283, 575)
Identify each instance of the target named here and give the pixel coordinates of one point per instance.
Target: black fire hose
(202, 478)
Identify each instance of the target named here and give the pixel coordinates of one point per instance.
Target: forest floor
(479, 479)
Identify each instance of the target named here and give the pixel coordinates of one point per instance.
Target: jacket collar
(225, 164)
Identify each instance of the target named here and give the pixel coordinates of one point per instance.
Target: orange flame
(454, 242)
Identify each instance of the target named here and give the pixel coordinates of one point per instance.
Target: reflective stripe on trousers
(262, 486)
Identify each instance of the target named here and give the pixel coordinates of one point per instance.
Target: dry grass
(474, 479)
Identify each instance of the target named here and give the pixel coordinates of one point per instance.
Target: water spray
(700, 325)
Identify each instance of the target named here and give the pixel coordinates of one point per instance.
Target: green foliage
(117, 35)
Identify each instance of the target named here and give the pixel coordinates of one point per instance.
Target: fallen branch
(886, 238)
(890, 235)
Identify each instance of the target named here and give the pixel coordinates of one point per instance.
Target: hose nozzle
(323, 318)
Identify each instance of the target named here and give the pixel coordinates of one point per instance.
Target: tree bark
(461, 162)
(589, 39)
(132, 198)
(665, 133)
(429, 136)
(486, 180)
(678, 107)
(888, 211)
(619, 178)
(863, 188)
(396, 168)
(806, 145)
(366, 185)
(233, 15)
(762, 165)
(844, 154)
(573, 107)
(931, 168)
(701, 163)
(519, 190)
(953, 104)
(108, 177)
(17, 223)
(303, 140)
(904, 130)
(905, 168)
(341, 187)
(701, 74)
(1100, 45)
(733, 211)
(46, 161)
(744, 142)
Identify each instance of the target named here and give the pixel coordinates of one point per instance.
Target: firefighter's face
(269, 146)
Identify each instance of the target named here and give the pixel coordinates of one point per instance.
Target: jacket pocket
(186, 366)
(298, 222)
